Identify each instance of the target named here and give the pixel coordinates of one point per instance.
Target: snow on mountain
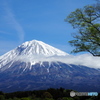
(31, 51)
(37, 52)
(39, 48)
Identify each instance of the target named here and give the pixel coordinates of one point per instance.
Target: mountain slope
(36, 65)
(19, 78)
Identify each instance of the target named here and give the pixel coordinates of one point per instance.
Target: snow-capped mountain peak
(31, 51)
(35, 47)
(38, 52)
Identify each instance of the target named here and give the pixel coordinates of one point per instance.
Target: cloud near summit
(84, 59)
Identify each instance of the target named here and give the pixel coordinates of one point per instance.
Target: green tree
(89, 99)
(25, 99)
(2, 97)
(48, 99)
(10, 99)
(33, 96)
(67, 98)
(1, 93)
(76, 98)
(47, 95)
(16, 98)
(87, 23)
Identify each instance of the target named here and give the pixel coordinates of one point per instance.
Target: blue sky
(25, 20)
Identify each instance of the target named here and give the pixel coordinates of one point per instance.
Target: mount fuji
(36, 65)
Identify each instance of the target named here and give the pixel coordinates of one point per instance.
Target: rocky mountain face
(36, 65)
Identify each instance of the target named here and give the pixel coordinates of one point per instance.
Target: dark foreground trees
(87, 23)
(49, 94)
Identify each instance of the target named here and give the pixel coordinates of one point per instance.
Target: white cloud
(84, 59)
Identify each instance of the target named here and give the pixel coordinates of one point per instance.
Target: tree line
(49, 94)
